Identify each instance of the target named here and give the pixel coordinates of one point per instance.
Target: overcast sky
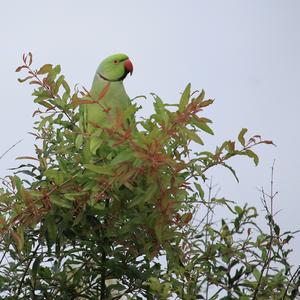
(245, 54)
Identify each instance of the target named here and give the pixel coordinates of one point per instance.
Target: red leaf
(35, 82)
(186, 218)
(27, 157)
(78, 102)
(18, 69)
(206, 103)
(24, 79)
(45, 69)
(269, 142)
(36, 112)
(30, 58)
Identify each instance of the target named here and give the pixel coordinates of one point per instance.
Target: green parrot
(107, 97)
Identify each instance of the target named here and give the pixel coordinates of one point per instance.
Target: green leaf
(277, 229)
(145, 196)
(66, 87)
(104, 170)
(45, 69)
(95, 143)
(130, 111)
(73, 196)
(117, 287)
(18, 183)
(53, 73)
(57, 69)
(79, 141)
(43, 103)
(244, 297)
(199, 189)
(158, 104)
(200, 97)
(224, 202)
(150, 192)
(79, 218)
(60, 81)
(185, 98)
(60, 201)
(256, 274)
(192, 135)
(253, 155)
(231, 170)
(241, 136)
(154, 284)
(44, 272)
(55, 175)
(264, 254)
(203, 126)
(35, 268)
(238, 209)
(123, 156)
(52, 229)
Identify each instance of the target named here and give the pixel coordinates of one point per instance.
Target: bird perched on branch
(107, 98)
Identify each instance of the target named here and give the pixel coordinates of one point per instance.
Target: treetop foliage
(96, 226)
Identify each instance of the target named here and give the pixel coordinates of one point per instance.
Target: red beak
(128, 66)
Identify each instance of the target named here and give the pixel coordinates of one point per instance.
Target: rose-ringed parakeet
(110, 98)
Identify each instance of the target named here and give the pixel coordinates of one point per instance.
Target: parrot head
(115, 67)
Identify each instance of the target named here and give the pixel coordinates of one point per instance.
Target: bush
(134, 220)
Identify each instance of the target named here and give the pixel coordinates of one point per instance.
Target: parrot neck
(100, 83)
(111, 80)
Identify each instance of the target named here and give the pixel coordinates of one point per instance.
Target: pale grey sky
(245, 54)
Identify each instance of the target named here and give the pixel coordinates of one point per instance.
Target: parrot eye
(115, 61)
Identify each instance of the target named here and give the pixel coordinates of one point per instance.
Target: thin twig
(3, 257)
(26, 270)
(104, 258)
(14, 145)
(296, 273)
(206, 231)
(266, 265)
